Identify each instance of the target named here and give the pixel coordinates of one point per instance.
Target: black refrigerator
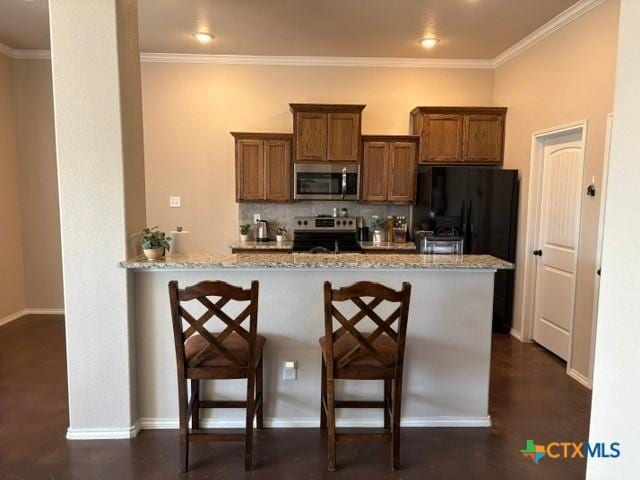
(480, 205)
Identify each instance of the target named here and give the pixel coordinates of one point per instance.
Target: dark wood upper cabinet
(483, 139)
(263, 167)
(402, 171)
(451, 135)
(389, 166)
(277, 162)
(326, 133)
(311, 136)
(442, 139)
(375, 171)
(344, 137)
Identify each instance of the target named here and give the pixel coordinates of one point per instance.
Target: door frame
(603, 206)
(533, 224)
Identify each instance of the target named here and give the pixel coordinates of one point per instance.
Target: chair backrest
(356, 294)
(224, 293)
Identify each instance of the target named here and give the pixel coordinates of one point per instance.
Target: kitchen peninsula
(448, 339)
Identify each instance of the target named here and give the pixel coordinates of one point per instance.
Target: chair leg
(387, 394)
(183, 403)
(195, 414)
(331, 420)
(323, 396)
(395, 428)
(259, 380)
(248, 435)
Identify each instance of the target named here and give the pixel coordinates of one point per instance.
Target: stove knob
(350, 222)
(299, 222)
(305, 222)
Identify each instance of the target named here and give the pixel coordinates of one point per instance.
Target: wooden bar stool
(350, 354)
(202, 354)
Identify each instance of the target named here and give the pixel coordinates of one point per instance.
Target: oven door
(326, 182)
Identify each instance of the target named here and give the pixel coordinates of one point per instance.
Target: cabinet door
(402, 172)
(441, 138)
(311, 136)
(375, 172)
(483, 137)
(250, 170)
(344, 137)
(277, 159)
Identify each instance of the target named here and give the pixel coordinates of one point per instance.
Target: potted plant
(244, 232)
(377, 224)
(153, 242)
(281, 234)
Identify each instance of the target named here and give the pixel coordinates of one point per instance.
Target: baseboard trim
(44, 311)
(12, 317)
(31, 311)
(172, 423)
(578, 377)
(516, 334)
(103, 433)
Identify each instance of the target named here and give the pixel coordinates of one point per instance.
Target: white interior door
(557, 247)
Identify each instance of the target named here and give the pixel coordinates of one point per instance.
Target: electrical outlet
(290, 371)
(175, 202)
(256, 217)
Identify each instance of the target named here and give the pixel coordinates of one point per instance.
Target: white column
(98, 122)
(616, 389)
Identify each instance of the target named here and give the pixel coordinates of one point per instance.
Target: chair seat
(234, 343)
(385, 346)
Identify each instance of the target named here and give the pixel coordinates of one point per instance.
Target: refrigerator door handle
(463, 219)
(470, 237)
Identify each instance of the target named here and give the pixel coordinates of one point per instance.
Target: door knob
(537, 253)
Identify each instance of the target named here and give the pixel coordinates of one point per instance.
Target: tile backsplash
(279, 214)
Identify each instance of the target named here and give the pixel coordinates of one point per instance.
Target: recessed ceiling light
(203, 37)
(429, 42)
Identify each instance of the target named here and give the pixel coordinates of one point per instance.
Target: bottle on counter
(389, 225)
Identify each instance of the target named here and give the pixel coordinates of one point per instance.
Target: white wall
(94, 77)
(12, 296)
(616, 389)
(566, 78)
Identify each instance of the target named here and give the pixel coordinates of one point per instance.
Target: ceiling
(470, 29)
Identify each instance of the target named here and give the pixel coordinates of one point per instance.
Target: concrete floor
(531, 398)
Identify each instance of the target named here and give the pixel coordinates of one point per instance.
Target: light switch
(290, 371)
(175, 202)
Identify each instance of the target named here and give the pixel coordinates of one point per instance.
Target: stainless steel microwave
(326, 181)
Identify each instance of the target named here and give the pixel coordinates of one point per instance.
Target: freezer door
(491, 211)
(449, 198)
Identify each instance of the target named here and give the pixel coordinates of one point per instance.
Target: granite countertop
(323, 261)
(253, 245)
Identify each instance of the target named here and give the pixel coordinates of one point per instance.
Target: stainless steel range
(325, 235)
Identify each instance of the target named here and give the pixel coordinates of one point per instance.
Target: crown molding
(561, 20)
(6, 50)
(316, 61)
(546, 30)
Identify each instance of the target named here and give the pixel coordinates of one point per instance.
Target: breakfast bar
(448, 337)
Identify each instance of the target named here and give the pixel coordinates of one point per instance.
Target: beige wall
(190, 109)
(566, 78)
(12, 297)
(38, 183)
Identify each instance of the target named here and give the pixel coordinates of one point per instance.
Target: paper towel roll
(179, 242)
